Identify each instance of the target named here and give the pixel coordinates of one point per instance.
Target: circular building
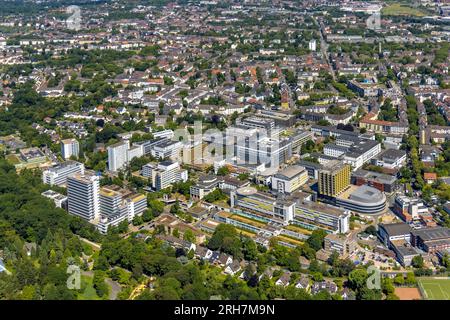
(362, 199)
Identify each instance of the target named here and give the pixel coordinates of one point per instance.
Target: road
(94, 245)
(324, 49)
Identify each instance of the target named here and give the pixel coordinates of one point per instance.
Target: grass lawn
(12, 159)
(435, 288)
(87, 290)
(398, 9)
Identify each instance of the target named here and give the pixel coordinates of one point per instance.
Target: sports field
(435, 288)
(398, 9)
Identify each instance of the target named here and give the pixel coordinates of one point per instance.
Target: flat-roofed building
(380, 181)
(59, 199)
(362, 199)
(205, 185)
(314, 215)
(117, 204)
(58, 175)
(431, 240)
(164, 174)
(394, 232)
(118, 155)
(69, 148)
(289, 179)
(248, 199)
(167, 149)
(83, 195)
(334, 177)
(343, 244)
(391, 159)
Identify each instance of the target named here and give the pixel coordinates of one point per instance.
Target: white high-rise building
(83, 196)
(135, 151)
(58, 174)
(118, 155)
(70, 147)
(312, 45)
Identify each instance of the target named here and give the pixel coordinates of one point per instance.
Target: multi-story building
(83, 195)
(394, 232)
(383, 182)
(135, 151)
(58, 175)
(117, 205)
(59, 199)
(312, 45)
(292, 211)
(164, 174)
(249, 200)
(431, 240)
(314, 215)
(167, 149)
(69, 148)
(371, 123)
(289, 179)
(204, 186)
(354, 151)
(334, 178)
(118, 155)
(391, 159)
(343, 244)
(411, 209)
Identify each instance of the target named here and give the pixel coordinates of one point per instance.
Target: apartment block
(118, 155)
(69, 148)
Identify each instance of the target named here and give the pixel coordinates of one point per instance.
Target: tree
(99, 283)
(225, 238)
(189, 236)
(399, 280)
(316, 239)
(417, 262)
(357, 279)
(137, 220)
(223, 171)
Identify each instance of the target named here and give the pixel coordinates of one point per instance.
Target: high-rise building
(334, 178)
(135, 152)
(58, 174)
(83, 195)
(312, 45)
(70, 147)
(118, 155)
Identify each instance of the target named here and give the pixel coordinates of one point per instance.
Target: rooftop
(396, 229)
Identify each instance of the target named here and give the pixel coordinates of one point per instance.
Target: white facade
(169, 149)
(58, 175)
(164, 174)
(70, 147)
(83, 196)
(312, 45)
(135, 152)
(118, 155)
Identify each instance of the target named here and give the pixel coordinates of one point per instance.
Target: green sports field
(435, 288)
